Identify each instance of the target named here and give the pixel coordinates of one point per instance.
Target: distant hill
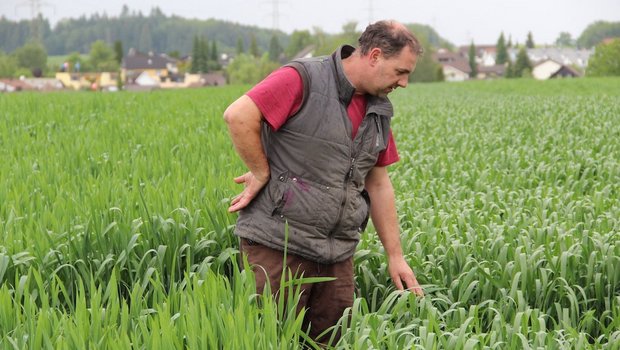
(428, 35)
(155, 32)
(597, 32)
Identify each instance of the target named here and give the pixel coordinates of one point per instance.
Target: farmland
(114, 230)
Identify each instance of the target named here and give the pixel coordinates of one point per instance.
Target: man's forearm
(383, 211)
(385, 220)
(244, 124)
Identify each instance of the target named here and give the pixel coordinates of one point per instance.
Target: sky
(460, 22)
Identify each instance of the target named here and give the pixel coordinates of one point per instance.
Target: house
(159, 67)
(91, 81)
(548, 69)
(107, 81)
(44, 84)
(445, 56)
(14, 85)
(485, 54)
(207, 79)
(75, 81)
(564, 55)
(213, 79)
(491, 72)
(306, 52)
(146, 79)
(456, 71)
(455, 66)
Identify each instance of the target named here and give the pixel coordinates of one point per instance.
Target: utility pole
(35, 13)
(276, 14)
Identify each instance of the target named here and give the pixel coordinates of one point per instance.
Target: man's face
(393, 72)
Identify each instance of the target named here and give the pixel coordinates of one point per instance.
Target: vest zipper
(378, 139)
(347, 180)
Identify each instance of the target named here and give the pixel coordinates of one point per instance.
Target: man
(316, 138)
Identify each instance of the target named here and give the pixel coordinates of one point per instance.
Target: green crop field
(115, 235)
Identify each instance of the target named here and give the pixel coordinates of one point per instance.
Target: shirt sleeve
(390, 154)
(278, 96)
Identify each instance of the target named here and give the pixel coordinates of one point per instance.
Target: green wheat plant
(114, 230)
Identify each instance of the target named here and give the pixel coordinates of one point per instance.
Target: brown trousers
(325, 302)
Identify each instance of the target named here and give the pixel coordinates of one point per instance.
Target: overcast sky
(458, 21)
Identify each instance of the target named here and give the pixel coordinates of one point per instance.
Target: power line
(35, 7)
(35, 13)
(275, 14)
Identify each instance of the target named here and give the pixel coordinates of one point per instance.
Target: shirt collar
(379, 105)
(345, 88)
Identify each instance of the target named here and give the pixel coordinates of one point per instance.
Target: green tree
(118, 51)
(299, 40)
(125, 12)
(502, 53)
(38, 28)
(75, 58)
(31, 56)
(565, 40)
(510, 70)
(204, 55)
(473, 66)
(102, 57)
(195, 55)
(213, 53)
(247, 69)
(433, 38)
(8, 65)
(200, 55)
(213, 63)
(530, 41)
(596, 32)
(319, 39)
(253, 46)
(274, 49)
(349, 33)
(240, 48)
(606, 60)
(146, 41)
(522, 64)
(427, 69)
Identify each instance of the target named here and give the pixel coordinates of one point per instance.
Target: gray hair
(391, 37)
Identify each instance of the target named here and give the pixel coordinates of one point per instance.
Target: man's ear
(374, 55)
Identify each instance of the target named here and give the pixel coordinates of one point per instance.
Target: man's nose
(403, 82)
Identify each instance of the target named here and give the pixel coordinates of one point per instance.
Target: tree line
(257, 51)
(161, 33)
(155, 32)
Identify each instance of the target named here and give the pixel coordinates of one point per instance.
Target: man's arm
(385, 220)
(244, 121)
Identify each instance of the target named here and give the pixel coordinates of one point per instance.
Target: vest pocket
(356, 217)
(303, 201)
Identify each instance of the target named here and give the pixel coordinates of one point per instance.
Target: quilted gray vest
(317, 170)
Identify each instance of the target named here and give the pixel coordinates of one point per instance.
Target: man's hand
(253, 185)
(401, 272)
(244, 121)
(383, 213)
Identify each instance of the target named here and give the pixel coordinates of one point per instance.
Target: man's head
(391, 52)
(389, 36)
